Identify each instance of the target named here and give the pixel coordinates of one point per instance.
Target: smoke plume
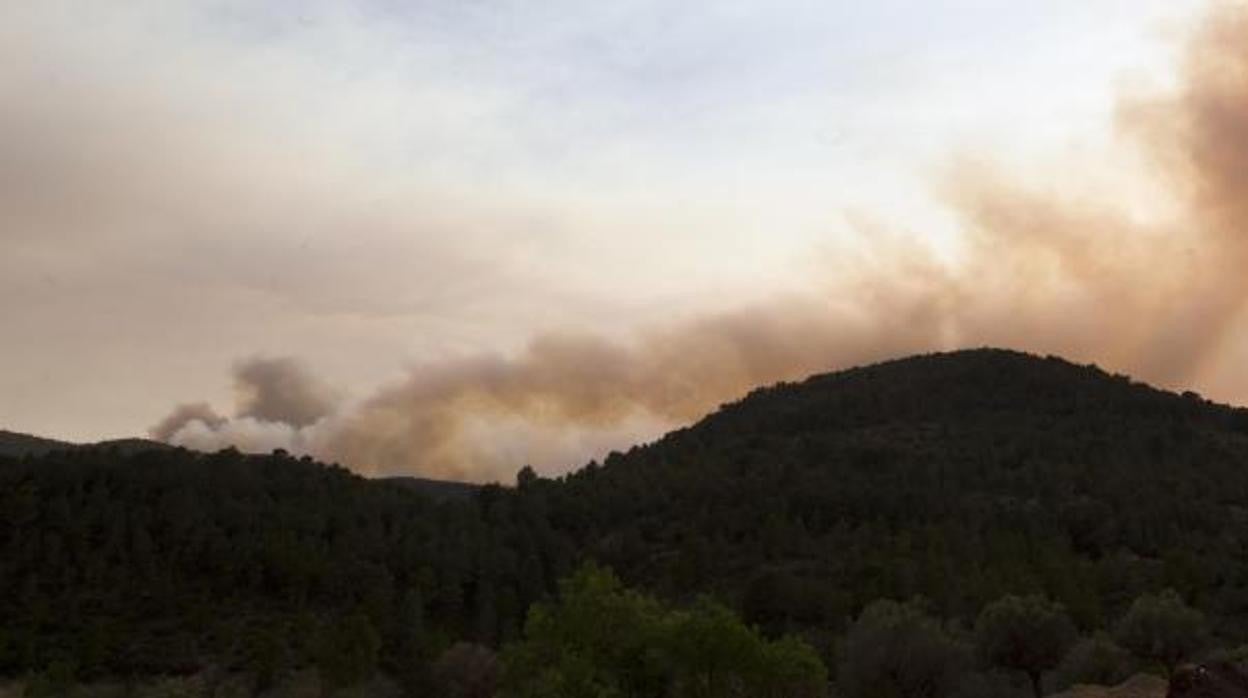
(1039, 268)
(278, 402)
(280, 390)
(183, 415)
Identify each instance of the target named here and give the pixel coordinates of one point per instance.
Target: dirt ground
(1138, 686)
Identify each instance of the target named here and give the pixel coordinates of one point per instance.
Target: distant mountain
(956, 478)
(15, 445)
(129, 446)
(436, 489)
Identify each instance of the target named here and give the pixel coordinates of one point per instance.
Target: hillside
(13, 444)
(436, 489)
(16, 445)
(956, 477)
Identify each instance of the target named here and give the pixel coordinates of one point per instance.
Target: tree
(1024, 633)
(348, 652)
(466, 671)
(790, 669)
(409, 656)
(265, 655)
(56, 680)
(410, 630)
(601, 639)
(896, 650)
(1162, 628)
(713, 652)
(780, 602)
(598, 638)
(526, 478)
(1094, 660)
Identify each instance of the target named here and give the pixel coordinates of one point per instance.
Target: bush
(466, 671)
(600, 639)
(1094, 660)
(896, 650)
(1024, 633)
(348, 651)
(1162, 628)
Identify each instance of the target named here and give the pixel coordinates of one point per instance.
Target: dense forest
(1007, 523)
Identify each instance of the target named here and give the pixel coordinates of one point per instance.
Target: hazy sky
(408, 198)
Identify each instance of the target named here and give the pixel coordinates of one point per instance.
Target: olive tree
(1162, 628)
(896, 650)
(1030, 634)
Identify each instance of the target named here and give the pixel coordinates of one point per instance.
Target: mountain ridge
(957, 478)
(16, 444)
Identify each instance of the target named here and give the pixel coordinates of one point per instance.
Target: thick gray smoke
(277, 401)
(281, 390)
(1042, 270)
(182, 415)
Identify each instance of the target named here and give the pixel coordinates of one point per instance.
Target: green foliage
(1030, 634)
(348, 651)
(601, 639)
(57, 680)
(1230, 655)
(598, 639)
(1162, 628)
(265, 655)
(712, 652)
(1096, 660)
(897, 650)
(466, 671)
(173, 562)
(782, 602)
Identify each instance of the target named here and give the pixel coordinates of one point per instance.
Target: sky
(453, 238)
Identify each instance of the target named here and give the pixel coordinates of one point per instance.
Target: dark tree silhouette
(1162, 628)
(898, 650)
(1025, 633)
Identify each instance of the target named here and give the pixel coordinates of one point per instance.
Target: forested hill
(959, 478)
(13, 444)
(16, 445)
